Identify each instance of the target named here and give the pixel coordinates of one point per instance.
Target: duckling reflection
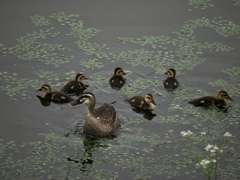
(45, 102)
(147, 114)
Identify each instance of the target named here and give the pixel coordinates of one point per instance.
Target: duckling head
(150, 101)
(119, 71)
(224, 95)
(171, 73)
(45, 88)
(80, 77)
(87, 98)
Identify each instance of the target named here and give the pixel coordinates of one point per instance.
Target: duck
(75, 86)
(101, 121)
(143, 102)
(171, 82)
(55, 96)
(206, 101)
(117, 81)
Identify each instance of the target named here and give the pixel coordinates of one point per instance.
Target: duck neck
(91, 108)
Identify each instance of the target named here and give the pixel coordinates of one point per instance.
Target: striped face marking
(119, 71)
(87, 98)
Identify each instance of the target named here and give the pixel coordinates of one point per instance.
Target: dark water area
(200, 39)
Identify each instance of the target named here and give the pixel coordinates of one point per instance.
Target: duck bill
(123, 73)
(40, 89)
(229, 98)
(166, 73)
(74, 103)
(154, 102)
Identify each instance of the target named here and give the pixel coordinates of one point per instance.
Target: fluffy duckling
(171, 82)
(207, 101)
(56, 96)
(145, 103)
(102, 121)
(75, 86)
(117, 80)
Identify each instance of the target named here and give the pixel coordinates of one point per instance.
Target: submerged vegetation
(209, 149)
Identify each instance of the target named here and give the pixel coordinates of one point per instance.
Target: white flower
(203, 133)
(212, 150)
(227, 134)
(184, 133)
(204, 163)
(208, 147)
(215, 147)
(214, 160)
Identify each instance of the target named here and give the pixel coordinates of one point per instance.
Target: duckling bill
(101, 121)
(206, 101)
(55, 96)
(117, 81)
(143, 102)
(171, 82)
(76, 86)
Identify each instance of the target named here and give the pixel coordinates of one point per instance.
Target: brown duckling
(207, 101)
(171, 82)
(145, 103)
(117, 81)
(102, 121)
(55, 96)
(76, 86)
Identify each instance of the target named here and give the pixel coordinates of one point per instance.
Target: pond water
(50, 41)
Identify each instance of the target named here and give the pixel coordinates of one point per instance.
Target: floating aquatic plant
(39, 20)
(91, 63)
(202, 4)
(232, 86)
(15, 86)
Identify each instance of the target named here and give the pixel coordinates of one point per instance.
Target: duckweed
(39, 20)
(135, 151)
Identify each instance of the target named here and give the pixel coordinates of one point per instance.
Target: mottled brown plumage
(102, 121)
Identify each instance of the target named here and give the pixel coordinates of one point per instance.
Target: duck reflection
(147, 114)
(91, 143)
(45, 102)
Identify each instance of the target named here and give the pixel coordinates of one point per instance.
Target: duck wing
(204, 101)
(106, 113)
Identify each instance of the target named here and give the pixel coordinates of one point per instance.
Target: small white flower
(212, 150)
(215, 147)
(203, 133)
(208, 147)
(227, 134)
(184, 133)
(204, 163)
(214, 160)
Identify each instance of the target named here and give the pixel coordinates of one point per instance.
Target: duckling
(145, 103)
(117, 81)
(171, 82)
(102, 121)
(56, 96)
(207, 101)
(75, 86)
